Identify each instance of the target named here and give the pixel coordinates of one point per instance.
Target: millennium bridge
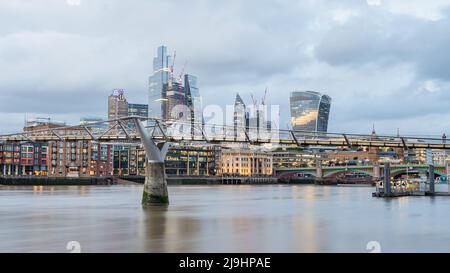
(155, 135)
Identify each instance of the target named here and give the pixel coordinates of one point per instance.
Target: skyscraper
(140, 110)
(240, 117)
(135, 109)
(194, 102)
(175, 102)
(310, 111)
(117, 105)
(174, 98)
(160, 77)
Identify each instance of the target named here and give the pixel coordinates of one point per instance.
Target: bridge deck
(119, 131)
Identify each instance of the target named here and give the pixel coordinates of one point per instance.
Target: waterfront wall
(85, 181)
(56, 181)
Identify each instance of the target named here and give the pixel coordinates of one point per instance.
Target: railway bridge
(375, 171)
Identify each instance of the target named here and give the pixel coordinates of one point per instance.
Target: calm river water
(220, 219)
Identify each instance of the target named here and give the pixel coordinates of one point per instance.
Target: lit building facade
(128, 160)
(436, 157)
(353, 157)
(23, 159)
(135, 109)
(180, 160)
(245, 162)
(117, 105)
(310, 111)
(140, 110)
(294, 158)
(78, 159)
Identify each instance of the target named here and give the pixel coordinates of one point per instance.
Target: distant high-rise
(117, 105)
(194, 103)
(136, 109)
(174, 98)
(160, 77)
(310, 111)
(174, 102)
(93, 123)
(240, 117)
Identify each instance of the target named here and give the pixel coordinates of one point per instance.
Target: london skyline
(70, 65)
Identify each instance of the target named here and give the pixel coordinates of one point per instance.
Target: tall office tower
(240, 117)
(159, 78)
(175, 107)
(194, 103)
(117, 105)
(310, 111)
(139, 110)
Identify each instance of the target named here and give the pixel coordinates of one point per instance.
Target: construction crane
(173, 61)
(172, 67)
(263, 102)
(255, 102)
(182, 71)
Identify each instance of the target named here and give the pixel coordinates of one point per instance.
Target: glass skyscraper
(135, 109)
(310, 111)
(117, 104)
(240, 118)
(194, 102)
(174, 98)
(160, 77)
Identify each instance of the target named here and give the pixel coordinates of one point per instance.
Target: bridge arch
(398, 173)
(291, 174)
(355, 171)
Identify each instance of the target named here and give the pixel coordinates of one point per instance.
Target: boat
(355, 179)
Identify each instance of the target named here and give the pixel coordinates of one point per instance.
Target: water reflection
(219, 219)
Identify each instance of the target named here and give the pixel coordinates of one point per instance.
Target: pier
(389, 188)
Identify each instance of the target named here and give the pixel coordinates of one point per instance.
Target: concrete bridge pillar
(155, 187)
(319, 170)
(376, 171)
(447, 170)
(387, 179)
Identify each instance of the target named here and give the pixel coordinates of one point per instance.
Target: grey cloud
(390, 40)
(64, 60)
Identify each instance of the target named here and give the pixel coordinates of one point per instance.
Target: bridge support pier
(387, 179)
(155, 187)
(319, 170)
(431, 178)
(376, 171)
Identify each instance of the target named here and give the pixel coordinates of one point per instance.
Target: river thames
(272, 218)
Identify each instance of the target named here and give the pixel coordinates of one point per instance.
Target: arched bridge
(373, 171)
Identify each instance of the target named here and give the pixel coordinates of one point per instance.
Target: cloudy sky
(383, 62)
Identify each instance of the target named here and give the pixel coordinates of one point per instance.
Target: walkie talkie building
(310, 111)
